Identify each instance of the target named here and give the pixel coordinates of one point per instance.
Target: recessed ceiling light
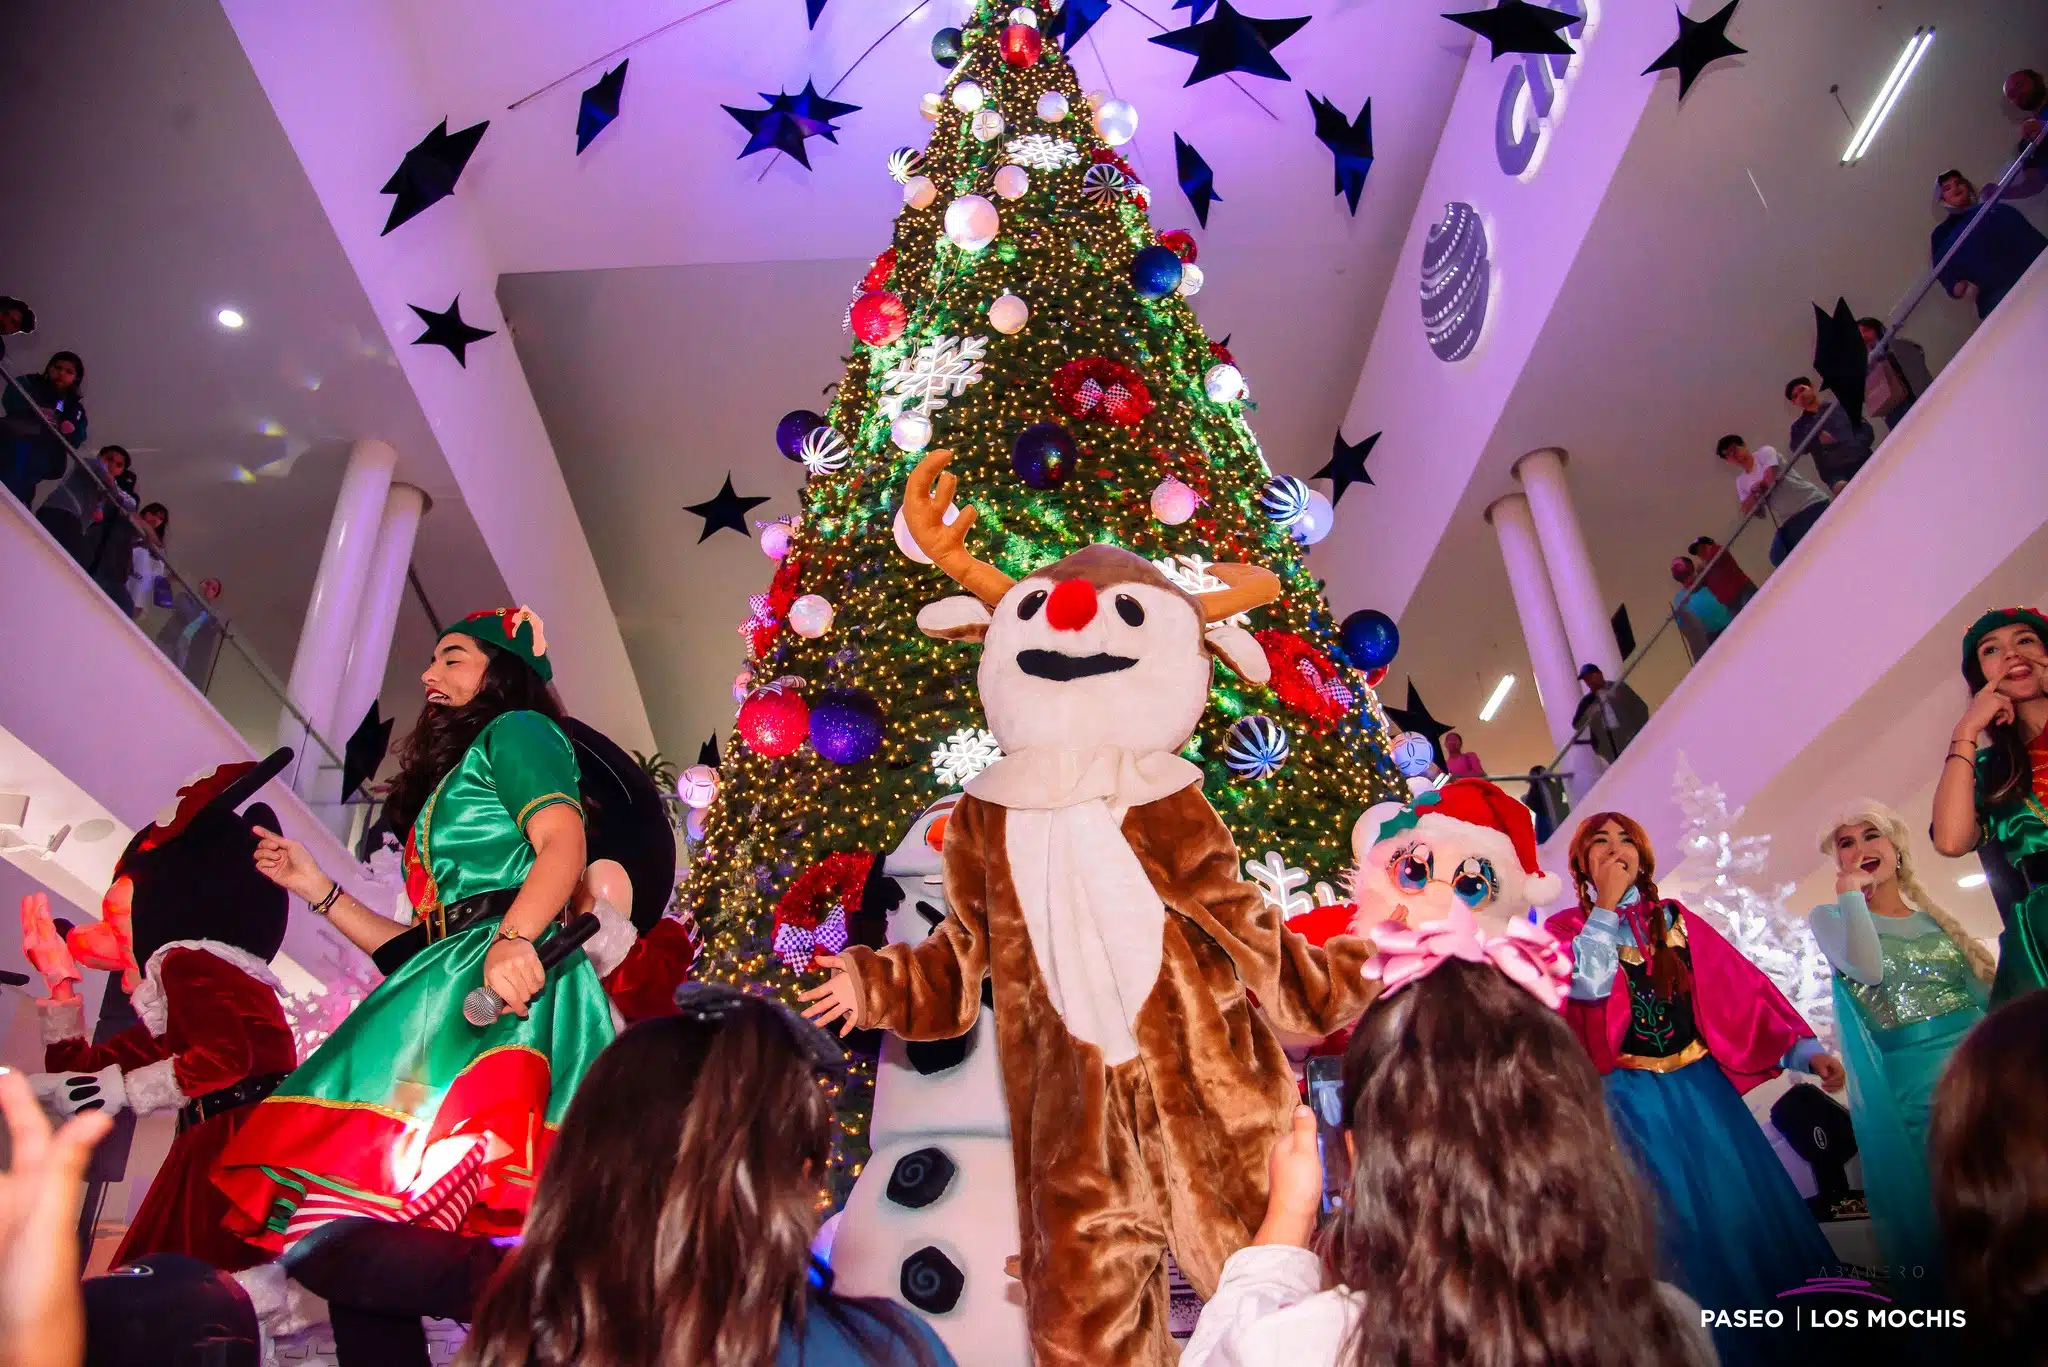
(1888, 94)
(1971, 880)
(1500, 695)
(230, 319)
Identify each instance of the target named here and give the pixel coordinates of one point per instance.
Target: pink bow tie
(1529, 955)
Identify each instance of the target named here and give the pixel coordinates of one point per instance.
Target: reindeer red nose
(1072, 605)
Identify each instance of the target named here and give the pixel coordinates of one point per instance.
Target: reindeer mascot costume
(1093, 885)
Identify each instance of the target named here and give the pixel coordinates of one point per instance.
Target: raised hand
(287, 864)
(1295, 1173)
(46, 949)
(1988, 709)
(834, 999)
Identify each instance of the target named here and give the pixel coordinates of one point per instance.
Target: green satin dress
(2019, 827)
(407, 1112)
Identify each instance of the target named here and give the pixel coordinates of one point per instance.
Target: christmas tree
(1028, 318)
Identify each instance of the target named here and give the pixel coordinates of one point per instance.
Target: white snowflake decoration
(1042, 152)
(1102, 183)
(1191, 573)
(965, 753)
(941, 368)
(824, 451)
(1280, 884)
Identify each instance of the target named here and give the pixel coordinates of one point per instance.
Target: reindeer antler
(926, 495)
(1250, 586)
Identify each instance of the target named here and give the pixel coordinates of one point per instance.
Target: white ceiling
(1688, 307)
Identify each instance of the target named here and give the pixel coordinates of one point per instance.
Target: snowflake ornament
(940, 369)
(1042, 152)
(1280, 885)
(965, 753)
(824, 451)
(1191, 574)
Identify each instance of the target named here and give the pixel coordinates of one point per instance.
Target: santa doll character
(213, 1038)
(1466, 844)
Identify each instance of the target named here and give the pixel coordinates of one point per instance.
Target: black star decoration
(1200, 8)
(1416, 721)
(1700, 42)
(447, 329)
(1517, 26)
(707, 753)
(1346, 465)
(812, 9)
(1197, 181)
(1349, 141)
(1231, 42)
(1840, 359)
(365, 751)
(600, 106)
(429, 171)
(724, 510)
(789, 120)
(1078, 19)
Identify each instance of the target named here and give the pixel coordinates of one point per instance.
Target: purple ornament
(791, 431)
(846, 725)
(1043, 455)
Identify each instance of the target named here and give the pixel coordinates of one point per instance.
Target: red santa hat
(1474, 804)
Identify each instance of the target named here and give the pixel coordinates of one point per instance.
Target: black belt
(452, 919)
(2033, 869)
(247, 1092)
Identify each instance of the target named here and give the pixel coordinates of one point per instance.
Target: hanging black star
(812, 9)
(1231, 42)
(1078, 19)
(447, 329)
(1517, 26)
(1200, 8)
(789, 120)
(365, 751)
(723, 510)
(1840, 359)
(1197, 181)
(707, 753)
(600, 106)
(1346, 465)
(1700, 41)
(1416, 721)
(429, 171)
(1349, 141)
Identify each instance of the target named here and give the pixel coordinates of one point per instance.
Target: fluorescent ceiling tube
(1971, 880)
(1888, 94)
(1500, 695)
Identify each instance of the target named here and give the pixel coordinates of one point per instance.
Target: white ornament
(1116, 122)
(965, 753)
(1191, 573)
(1042, 152)
(968, 97)
(775, 539)
(1008, 314)
(1012, 182)
(1413, 755)
(907, 543)
(693, 827)
(1223, 383)
(1316, 519)
(972, 223)
(904, 163)
(1095, 99)
(697, 786)
(987, 125)
(911, 431)
(810, 616)
(1102, 183)
(1280, 885)
(940, 369)
(931, 105)
(1173, 502)
(1052, 106)
(1024, 15)
(1190, 279)
(823, 451)
(919, 192)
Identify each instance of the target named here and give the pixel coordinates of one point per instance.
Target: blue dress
(823, 1343)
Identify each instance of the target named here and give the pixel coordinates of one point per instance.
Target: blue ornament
(1255, 747)
(791, 431)
(1043, 454)
(946, 47)
(1285, 499)
(1369, 639)
(846, 725)
(1155, 272)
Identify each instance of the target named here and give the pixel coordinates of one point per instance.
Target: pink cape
(1742, 1017)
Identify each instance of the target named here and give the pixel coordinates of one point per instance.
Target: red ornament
(1222, 353)
(1181, 243)
(885, 264)
(1097, 387)
(775, 720)
(1103, 156)
(1021, 45)
(879, 317)
(818, 908)
(1308, 681)
(1375, 677)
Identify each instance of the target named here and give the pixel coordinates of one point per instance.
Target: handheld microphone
(482, 1005)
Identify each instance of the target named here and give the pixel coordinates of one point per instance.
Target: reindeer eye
(1130, 609)
(1028, 608)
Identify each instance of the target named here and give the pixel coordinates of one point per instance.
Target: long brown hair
(2010, 769)
(443, 733)
(1493, 1217)
(1988, 1165)
(1668, 973)
(672, 1224)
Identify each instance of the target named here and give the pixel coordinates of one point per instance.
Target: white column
(332, 612)
(1550, 655)
(1586, 621)
(383, 593)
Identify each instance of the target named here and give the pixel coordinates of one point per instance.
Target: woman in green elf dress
(408, 1113)
(1994, 783)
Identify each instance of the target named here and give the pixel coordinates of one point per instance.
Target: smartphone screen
(1326, 1099)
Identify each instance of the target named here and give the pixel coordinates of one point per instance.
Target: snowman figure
(1466, 844)
(932, 1219)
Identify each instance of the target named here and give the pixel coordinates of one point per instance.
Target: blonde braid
(1869, 811)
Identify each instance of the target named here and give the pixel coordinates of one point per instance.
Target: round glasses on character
(1473, 882)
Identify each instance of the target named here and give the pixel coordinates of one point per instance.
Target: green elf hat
(514, 630)
(2001, 617)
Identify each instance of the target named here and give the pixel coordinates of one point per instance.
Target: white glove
(67, 1094)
